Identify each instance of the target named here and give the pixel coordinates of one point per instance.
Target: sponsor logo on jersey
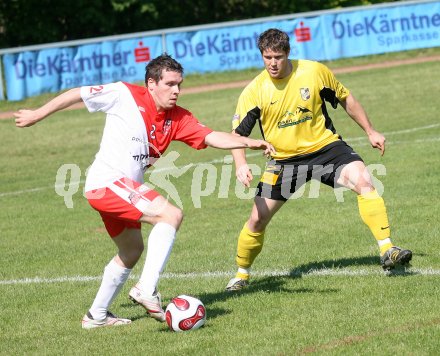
(305, 93)
(140, 140)
(166, 127)
(300, 115)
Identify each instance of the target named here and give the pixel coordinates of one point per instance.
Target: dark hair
(275, 40)
(155, 67)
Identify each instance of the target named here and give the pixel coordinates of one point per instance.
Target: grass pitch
(317, 286)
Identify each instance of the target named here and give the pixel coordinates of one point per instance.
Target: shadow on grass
(332, 264)
(305, 269)
(266, 285)
(277, 284)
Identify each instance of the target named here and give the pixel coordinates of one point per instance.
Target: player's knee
(363, 185)
(173, 216)
(355, 176)
(178, 216)
(257, 224)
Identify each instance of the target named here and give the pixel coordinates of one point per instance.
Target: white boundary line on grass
(221, 160)
(391, 133)
(325, 272)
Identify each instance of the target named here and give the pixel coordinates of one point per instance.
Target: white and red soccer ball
(185, 313)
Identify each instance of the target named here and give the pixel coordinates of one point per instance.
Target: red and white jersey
(134, 132)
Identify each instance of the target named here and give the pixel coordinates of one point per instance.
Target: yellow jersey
(291, 112)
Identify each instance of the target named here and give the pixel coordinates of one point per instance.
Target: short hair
(155, 67)
(275, 40)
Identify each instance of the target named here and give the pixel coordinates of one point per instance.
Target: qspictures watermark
(212, 179)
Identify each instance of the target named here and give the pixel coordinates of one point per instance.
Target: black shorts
(283, 178)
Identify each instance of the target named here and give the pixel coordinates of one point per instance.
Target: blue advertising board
(52, 70)
(324, 37)
(235, 48)
(327, 36)
(382, 30)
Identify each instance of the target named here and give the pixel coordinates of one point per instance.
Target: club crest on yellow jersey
(305, 93)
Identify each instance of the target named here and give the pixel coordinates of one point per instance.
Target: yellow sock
(374, 215)
(248, 247)
(240, 275)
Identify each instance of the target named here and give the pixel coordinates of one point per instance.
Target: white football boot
(110, 320)
(151, 303)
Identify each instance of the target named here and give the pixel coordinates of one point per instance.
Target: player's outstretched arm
(227, 141)
(26, 118)
(355, 110)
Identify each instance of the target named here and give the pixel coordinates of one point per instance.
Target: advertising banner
(381, 30)
(51, 70)
(326, 36)
(235, 48)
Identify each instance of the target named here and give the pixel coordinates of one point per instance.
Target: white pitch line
(398, 142)
(221, 160)
(324, 272)
(392, 133)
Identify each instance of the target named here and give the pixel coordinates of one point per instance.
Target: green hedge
(28, 22)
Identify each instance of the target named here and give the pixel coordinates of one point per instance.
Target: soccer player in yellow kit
(287, 100)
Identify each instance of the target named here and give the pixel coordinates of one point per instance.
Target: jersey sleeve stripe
(248, 122)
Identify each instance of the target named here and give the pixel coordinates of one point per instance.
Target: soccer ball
(185, 313)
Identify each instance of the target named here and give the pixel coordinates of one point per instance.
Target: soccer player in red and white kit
(140, 124)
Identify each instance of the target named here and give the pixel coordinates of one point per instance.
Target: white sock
(383, 242)
(244, 270)
(160, 243)
(113, 279)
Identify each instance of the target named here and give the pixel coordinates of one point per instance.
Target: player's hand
(377, 140)
(26, 118)
(244, 175)
(262, 145)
